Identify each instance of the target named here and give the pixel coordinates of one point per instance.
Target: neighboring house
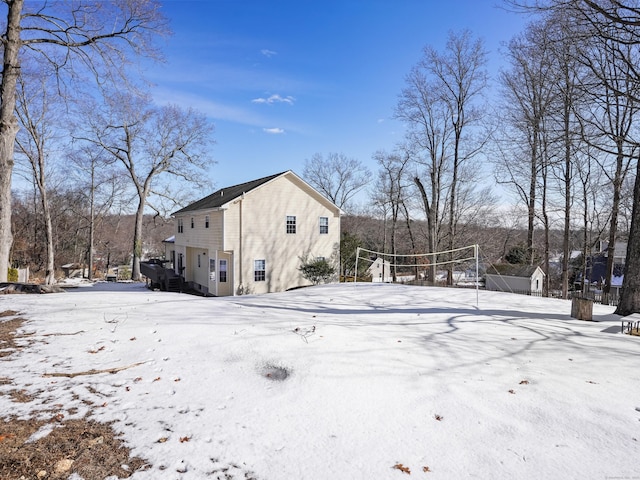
(250, 238)
(515, 278)
(597, 263)
(380, 270)
(596, 270)
(619, 251)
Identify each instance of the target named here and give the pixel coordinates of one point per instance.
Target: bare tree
(35, 111)
(440, 106)
(429, 134)
(337, 176)
(101, 185)
(528, 95)
(616, 21)
(610, 124)
(84, 34)
(152, 143)
(460, 73)
(565, 124)
(391, 192)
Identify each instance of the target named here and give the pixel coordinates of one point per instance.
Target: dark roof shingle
(225, 195)
(510, 270)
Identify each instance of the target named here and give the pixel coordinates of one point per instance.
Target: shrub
(317, 271)
(12, 275)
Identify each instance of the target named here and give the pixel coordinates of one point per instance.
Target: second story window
(324, 225)
(191, 222)
(206, 221)
(291, 224)
(180, 225)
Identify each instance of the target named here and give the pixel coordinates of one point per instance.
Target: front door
(225, 274)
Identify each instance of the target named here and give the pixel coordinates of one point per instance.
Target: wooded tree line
(561, 137)
(71, 225)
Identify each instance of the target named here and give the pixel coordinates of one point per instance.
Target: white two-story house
(250, 238)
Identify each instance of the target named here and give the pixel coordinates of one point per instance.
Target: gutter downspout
(240, 252)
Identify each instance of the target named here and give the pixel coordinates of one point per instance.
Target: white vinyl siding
(250, 228)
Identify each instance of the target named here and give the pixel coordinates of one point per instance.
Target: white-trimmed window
(324, 225)
(223, 271)
(206, 221)
(192, 222)
(259, 270)
(180, 225)
(291, 224)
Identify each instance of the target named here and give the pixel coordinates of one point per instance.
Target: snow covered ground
(367, 381)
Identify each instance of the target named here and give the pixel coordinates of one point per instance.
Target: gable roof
(224, 195)
(510, 270)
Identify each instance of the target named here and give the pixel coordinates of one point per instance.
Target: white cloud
(273, 131)
(268, 53)
(275, 99)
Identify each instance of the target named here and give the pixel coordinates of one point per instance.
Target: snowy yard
(367, 381)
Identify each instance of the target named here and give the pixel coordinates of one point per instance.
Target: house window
(206, 221)
(180, 225)
(191, 222)
(199, 261)
(324, 225)
(291, 224)
(259, 270)
(223, 271)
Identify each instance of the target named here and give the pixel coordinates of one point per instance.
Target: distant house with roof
(380, 270)
(506, 277)
(250, 238)
(596, 270)
(597, 263)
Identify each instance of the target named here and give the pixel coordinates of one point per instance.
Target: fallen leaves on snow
(402, 468)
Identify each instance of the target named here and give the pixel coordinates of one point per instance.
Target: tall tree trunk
(431, 229)
(586, 251)
(630, 296)
(49, 278)
(531, 207)
(411, 238)
(8, 127)
(613, 226)
(452, 211)
(545, 220)
(567, 206)
(92, 218)
(137, 240)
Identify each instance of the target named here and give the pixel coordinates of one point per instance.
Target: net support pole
(476, 248)
(355, 274)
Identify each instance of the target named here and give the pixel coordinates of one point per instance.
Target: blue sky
(282, 80)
